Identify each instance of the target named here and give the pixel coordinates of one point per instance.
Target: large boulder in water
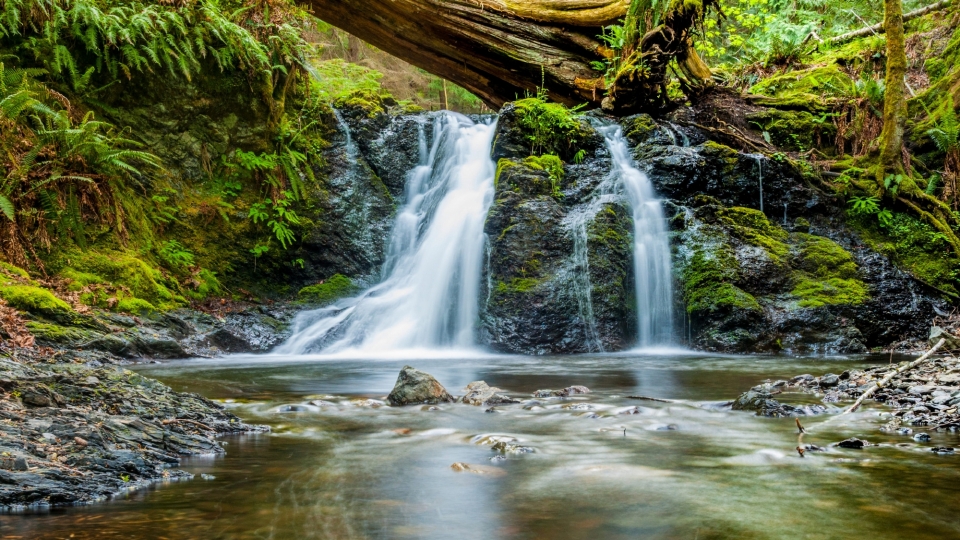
(416, 387)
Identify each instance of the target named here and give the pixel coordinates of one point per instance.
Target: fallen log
(878, 28)
(892, 374)
(502, 50)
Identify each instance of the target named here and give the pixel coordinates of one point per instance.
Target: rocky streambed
(75, 430)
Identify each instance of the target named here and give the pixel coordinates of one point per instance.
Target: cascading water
(651, 249)
(427, 297)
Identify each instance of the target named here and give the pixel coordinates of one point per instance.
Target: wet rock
(937, 333)
(565, 392)
(668, 427)
(921, 390)
(126, 427)
(477, 469)
(854, 443)
(763, 403)
(479, 393)
(322, 403)
(505, 447)
(799, 379)
(829, 380)
(415, 387)
(942, 450)
(922, 437)
(208, 477)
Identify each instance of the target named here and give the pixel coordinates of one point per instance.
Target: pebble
(921, 437)
(668, 427)
(208, 477)
(942, 450)
(905, 431)
(829, 380)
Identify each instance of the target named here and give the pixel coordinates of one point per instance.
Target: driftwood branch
(878, 28)
(883, 382)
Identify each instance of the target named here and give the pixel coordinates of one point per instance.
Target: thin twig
(892, 374)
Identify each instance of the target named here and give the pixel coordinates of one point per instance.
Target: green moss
(124, 270)
(33, 299)
(814, 293)
(56, 334)
(706, 283)
(14, 271)
(638, 128)
(729, 156)
(753, 227)
(136, 306)
(516, 285)
(502, 165)
(552, 165)
(370, 102)
(807, 88)
(331, 290)
(794, 130)
(913, 246)
(824, 258)
(206, 285)
(79, 280)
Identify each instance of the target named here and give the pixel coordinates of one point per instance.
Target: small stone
(430, 408)
(322, 403)
(565, 392)
(91, 381)
(668, 427)
(498, 458)
(905, 431)
(942, 450)
(208, 477)
(505, 447)
(49, 437)
(921, 437)
(829, 380)
(79, 441)
(291, 408)
(20, 464)
(801, 379)
(921, 390)
(854, 443)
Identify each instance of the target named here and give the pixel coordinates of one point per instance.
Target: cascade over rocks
(532, 304)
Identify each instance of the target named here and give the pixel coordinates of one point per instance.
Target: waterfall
(428, 293)
(651, 249)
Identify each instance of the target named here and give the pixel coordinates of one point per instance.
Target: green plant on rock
(946, 135)
(549, 128)
(176, 255)
(328, 291)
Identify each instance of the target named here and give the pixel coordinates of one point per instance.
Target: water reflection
(684, 469)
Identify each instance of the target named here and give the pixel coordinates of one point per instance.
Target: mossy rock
(136, 306)
(54, 334)
(13, 271)
(529, 178)
(707, 283)
(124, 270)
(807, 89)
(34, 300)
(550, 128)
(795, 130)
(638, 128)
(818, 293)
(332, 289)
(367, 102)
(753, 227)
(822, 257)
(516, 285)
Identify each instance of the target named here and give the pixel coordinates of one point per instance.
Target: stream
(681, 469)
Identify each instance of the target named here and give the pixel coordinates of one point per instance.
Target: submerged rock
(479, 393)
(417, 387)
(565, 392)
(761, 401)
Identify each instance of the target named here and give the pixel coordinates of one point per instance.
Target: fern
(6, 205)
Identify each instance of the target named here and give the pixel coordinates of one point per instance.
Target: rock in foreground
(415, 387)
(480, 393)
(73, 433)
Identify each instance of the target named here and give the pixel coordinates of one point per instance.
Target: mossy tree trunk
(503, 49)
(895, 99)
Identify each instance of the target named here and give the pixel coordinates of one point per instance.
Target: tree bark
(502, 50)
(895, 101)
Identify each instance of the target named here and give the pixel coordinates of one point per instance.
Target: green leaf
(6, 205)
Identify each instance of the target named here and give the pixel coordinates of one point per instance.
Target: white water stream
(427, 298)
(651, 248)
